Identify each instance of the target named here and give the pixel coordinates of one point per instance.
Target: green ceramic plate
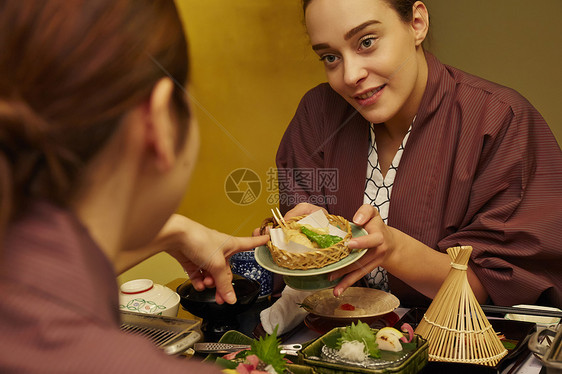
(311, 355)
(312, 279)
(235, 337)
(311, 283)
(263, 257)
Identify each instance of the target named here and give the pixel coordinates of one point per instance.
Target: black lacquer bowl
(218, 318)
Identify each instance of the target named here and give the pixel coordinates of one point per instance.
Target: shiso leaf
(267, 349)
(363, 333)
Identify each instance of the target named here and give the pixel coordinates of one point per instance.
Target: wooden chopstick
(517, 310)
(281, 216)
(279, 219)
(522, 357)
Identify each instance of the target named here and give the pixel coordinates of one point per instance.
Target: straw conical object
(455, 325)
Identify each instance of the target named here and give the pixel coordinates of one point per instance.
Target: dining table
(249, 324)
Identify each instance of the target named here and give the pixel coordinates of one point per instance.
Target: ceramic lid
(143, 296)
(136, 286)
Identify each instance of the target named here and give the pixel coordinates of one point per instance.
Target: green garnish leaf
(509, 344)
(242, 354)
(227, 364)
(323, 240)
(267, 349)
(360, 332)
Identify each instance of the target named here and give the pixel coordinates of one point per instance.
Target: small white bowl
(539, 320)
(143, 296)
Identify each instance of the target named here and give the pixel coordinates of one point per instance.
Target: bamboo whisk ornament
(455, 325)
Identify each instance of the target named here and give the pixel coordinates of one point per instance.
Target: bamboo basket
(317, 258)
(455, 325)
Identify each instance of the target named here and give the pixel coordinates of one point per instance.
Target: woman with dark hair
(427, 157)
(97, 144)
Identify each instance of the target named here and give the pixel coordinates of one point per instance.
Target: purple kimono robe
(59, 307)
(481, 168)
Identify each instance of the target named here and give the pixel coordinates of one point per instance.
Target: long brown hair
(68, 71)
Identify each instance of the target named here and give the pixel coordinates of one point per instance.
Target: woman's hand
(202, 252)
(380, 242)
(408, 259)
(303, 209)
(204, 255)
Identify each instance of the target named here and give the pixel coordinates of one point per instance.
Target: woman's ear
(161, 125)
(420, 22)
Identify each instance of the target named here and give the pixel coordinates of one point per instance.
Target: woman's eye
(367, 42)
(329, 59)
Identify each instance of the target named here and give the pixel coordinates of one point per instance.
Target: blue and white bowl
(245, 264)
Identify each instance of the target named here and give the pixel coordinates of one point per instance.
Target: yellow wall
(251, 63)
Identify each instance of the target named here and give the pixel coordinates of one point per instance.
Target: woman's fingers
(209, 281)
(346, 270)
(235, 244)
(256, 232)
(197, 281)
(222, 280)
(303, 209)
(365, 265)
(218, 298)
(364, 214)
(354, 276)
(250, 242)
(368, 241)
(346, 282)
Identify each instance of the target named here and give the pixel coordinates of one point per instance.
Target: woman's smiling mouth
(369, 97)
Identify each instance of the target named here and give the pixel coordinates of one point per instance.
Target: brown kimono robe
(481, 168)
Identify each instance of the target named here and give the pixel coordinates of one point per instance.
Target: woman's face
(368, 52)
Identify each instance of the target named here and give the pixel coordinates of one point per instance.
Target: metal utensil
(521, 310)
(173, 335)
(289, 349)
(183, 342)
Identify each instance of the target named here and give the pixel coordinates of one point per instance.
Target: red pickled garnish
(347, 307)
